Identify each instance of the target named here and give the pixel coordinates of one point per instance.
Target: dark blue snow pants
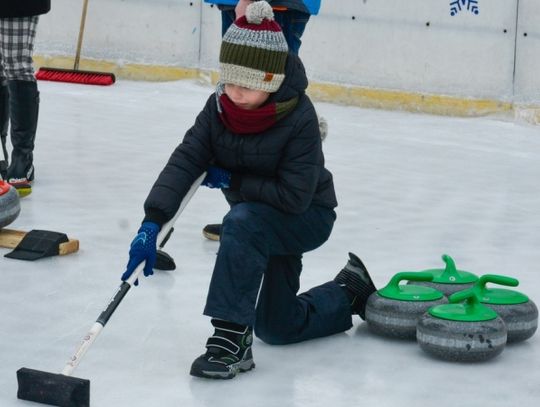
(258, 240)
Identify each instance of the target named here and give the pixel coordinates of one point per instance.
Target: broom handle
(81, 31)
(122, 290)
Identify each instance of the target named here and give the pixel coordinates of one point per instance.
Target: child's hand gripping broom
(75, 75)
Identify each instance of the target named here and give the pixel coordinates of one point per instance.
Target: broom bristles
(73, 76)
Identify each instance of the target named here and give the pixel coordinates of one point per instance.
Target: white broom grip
(86, 342)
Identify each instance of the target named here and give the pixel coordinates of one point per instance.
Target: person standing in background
(19, 96)
(291, 15)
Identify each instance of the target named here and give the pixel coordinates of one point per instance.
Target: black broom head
(53, 389)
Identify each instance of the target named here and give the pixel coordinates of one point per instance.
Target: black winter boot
(23, 112)
(228, 352)
(212, 231)
(4, 122)
(357, 283)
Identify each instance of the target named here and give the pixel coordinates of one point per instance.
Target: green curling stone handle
(464, 306)
(409, 276)
(494, 278)
(499, 296)
(393, 290)
(469, 295)
(393, 285)
(450, 269)
(450, 274)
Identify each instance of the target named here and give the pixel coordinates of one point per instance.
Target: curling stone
(449, 280)
(10, 206)
(466, 332)
(518, 312)
(394, 310)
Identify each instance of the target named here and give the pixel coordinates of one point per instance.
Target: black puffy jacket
(282, 166)
(23, 8)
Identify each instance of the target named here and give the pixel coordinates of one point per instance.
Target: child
(292, 16)
(258, 139)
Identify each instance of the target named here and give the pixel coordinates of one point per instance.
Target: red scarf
(243, 121)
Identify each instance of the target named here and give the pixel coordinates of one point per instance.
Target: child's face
(245, 98)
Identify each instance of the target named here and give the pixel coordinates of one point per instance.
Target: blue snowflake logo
(457, 5)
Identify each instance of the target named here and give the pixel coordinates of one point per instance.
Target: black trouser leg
(4, 122)
(23, 113)
(258, 240)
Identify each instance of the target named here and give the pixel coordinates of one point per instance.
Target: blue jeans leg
(258, 240)
(227, 18)
(293, 24)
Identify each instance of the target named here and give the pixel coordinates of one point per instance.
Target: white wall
(527, 83)
(164, 32)
(413, 45)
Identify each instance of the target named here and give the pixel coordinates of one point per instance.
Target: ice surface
(410, 188)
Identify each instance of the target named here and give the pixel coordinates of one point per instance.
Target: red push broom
(75, 75)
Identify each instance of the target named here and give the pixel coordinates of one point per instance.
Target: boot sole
(23, 191)
(211, 236)
(23, 188)
(245, 366)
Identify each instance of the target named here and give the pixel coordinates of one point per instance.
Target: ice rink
(410, 188)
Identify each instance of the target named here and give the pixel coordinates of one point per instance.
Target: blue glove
(143, 248)
(217, 178)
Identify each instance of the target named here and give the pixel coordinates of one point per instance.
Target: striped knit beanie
(254, 50)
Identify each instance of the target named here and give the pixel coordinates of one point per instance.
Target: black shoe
(228, 352)
(212, 232)
(357, 283)
(164, 261)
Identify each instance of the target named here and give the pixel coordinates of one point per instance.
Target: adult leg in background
(4, 120)
(17, 46)
(292, 22)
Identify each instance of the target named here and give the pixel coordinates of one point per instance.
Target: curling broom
(75, 75)
(63, 389)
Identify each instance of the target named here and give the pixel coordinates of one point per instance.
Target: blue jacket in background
(307, 6)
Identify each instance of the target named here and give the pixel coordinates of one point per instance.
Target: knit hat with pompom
(254, 50)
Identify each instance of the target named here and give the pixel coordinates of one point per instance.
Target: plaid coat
(23, 8)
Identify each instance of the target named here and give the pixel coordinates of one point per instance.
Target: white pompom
(258, 11)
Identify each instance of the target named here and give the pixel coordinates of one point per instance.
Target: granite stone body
(461, 341)
(521, 320)
(395, 318)
(10, 206)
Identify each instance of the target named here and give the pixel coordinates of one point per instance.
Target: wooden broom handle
(81, 31)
